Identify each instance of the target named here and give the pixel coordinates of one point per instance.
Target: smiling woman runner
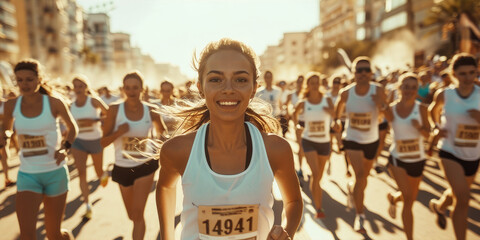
(43, 174)
(459, 109)
(128, 125)
(86, 110)
(227, 162)
(409, 120)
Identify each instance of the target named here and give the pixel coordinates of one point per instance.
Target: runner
(337, 84)
(128, 125)
(362, 102)
(168, 99)
(43, 174)
(409, 120)
(293, 99)
(273, 95)
(86, 110)
(107, 97)
(227, 161)
(318, 110)
(4, 151)
(460, 141)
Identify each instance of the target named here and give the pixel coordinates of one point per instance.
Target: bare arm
(280, 156)
(158, 123)
(7, 121)
(298, 110)
(424, 126)
(98, 103)
(60, 109)
(108, 134)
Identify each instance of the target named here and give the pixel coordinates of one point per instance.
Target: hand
(60, 155)
(278, 233)
(123, 128)
(336, 127)
(475, 114)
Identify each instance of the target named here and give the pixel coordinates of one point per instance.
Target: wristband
(67, 145)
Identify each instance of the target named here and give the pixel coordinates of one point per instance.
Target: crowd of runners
(225, 142)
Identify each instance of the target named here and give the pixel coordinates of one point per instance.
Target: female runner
(228, 163)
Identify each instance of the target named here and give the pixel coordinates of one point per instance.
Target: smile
(228, 103)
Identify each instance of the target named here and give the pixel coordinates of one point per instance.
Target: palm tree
(446, 15)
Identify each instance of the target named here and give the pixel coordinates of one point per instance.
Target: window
(395, 21)
(392, 4)
(361, 34)
(360, 18)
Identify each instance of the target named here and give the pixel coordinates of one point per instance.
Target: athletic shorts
(321, 148)
(52, 184)
(127, 176)
(383, 126)
(369, 149)
(414, 169)
(469, 167)
(88, 146)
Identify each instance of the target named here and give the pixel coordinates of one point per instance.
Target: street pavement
(110, 220)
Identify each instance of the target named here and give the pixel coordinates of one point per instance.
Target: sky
(171, 30)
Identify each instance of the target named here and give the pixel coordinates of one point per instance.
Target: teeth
(228, 103)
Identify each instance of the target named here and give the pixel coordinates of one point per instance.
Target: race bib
(316, 129)
(85, 125)
(408, 149)
(134, 147)
(236, 222)
(467, 135)
(33, 145)
(360, 121)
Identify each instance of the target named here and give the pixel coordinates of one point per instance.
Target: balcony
(8, 19)
(8, 47)
(7, 6)
(9, 34)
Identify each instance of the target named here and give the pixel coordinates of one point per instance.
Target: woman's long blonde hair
(198, 115)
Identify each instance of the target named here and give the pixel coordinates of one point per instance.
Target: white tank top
(317, 121)
(244, 198)
(362, 115)
(130, 144)
(294, 102)
(38, 137)
(463, 132)
(407, 141)
(87, 111)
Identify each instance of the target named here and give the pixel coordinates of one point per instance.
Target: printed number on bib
(467, 135)
(360, 121)
(236, 222)
(408, 148)
(134, 147)
(33, 145)
(316, 129)
(85, 125)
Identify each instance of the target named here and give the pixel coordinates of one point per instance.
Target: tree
(446, 15)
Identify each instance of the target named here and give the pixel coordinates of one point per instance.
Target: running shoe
(359, 224)
(88, 214)
(441, 220)
(320, 214)
(104, 179)
(392, 208)
(67, 234)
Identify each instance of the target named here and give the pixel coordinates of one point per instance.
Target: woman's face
(313, 83)
(228, 84)
(27, 81)
(166, 90)
(466, 75)
(409, 88)
(79, 87)
(132, 88)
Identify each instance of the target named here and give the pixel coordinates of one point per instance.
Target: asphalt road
(110, 220)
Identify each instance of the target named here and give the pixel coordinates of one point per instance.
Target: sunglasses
(363, 69)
